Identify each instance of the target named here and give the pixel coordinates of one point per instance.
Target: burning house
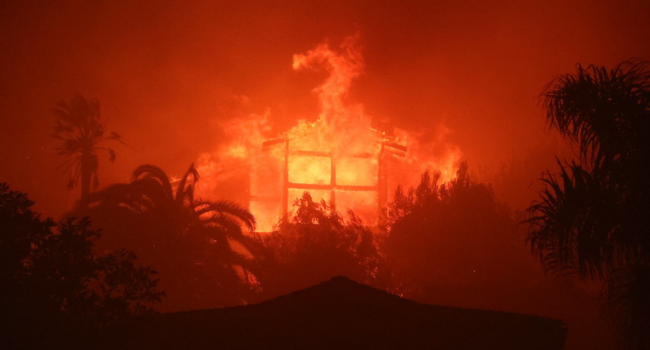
(342, 158)
(353, 177)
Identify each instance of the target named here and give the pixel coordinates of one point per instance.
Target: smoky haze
(170, 75)
(166, 73)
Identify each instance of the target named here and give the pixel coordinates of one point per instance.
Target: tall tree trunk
(86, 174)
(89, 164)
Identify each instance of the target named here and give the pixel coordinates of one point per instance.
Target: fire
(344, 66)
(339, 158)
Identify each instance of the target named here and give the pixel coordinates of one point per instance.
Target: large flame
(344, 66)
(336, 158)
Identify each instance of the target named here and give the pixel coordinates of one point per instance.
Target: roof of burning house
(343, 314)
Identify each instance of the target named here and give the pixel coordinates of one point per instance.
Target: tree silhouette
(592, 220)
(452, 243)
(99, 289)
(315, 244)
(52, 281)
(198, 246)
(81, 131)
(19, 227)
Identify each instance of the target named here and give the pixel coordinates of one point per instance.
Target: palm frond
(112, 195)
(154, 191)
(227, 208)
(185, 191)
(570, 227)
(600, 110)
(148, 171)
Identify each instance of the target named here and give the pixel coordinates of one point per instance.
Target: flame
(344, 66)
(336, 158)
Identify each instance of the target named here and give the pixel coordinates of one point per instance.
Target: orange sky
(167, 74)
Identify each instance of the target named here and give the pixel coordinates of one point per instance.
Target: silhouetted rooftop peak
(344, 314)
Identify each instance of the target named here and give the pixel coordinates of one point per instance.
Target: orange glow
(336, 158)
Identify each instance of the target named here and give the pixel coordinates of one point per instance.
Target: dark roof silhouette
(342, 314)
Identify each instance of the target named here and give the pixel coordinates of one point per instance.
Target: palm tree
(592, 219)
(189, 241)
(81, 131)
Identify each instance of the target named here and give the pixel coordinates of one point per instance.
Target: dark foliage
(97, 289)
(317, 243)
(52, 281)
(592, 219)
(199, 247)
(452, 238)
(19, 227)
